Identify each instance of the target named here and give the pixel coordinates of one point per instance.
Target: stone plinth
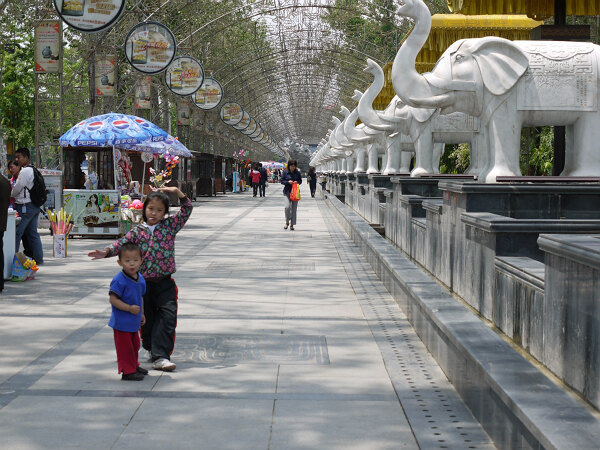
(362, 184)
(350, 177)
(377, 186)
(519, 302)
(433, 235)
(489, 235)
(390, 222)
(518, 201)
(571, 313)
(409, 186)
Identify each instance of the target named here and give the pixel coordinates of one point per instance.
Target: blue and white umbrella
(170, 145)
(108, 130)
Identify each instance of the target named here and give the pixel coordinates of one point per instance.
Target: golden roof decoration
(536, 9)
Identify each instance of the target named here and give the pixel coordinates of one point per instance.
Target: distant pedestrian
(255, 179)
(312, 181)
(263, 179)
(26, 207)
(126, 297)
(4, 200)
(323, 181)
(288, 177)
(156, 238)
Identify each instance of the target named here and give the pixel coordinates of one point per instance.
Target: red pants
(127, 344)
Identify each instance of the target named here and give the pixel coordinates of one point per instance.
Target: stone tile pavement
(285, 340)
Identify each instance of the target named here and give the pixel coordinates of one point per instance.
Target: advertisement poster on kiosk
(93, 211)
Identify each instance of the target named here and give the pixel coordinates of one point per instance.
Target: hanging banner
(48, 38)
(252, 126)
(209, 95)
(142, 94)
(89, 15)
(231, 113)
(150, 47)
(243, 124)
(183, 113)
(105, 75)
(184, 76)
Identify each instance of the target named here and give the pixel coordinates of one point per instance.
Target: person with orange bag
(290, 176)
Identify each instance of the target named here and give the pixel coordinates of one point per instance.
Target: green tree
(456, 158)
(17, 107)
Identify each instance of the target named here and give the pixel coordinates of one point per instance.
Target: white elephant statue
(425, 129)
(508, 85)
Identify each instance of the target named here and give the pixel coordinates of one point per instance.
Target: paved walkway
(285, 340)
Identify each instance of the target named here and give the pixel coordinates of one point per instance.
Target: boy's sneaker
(141, 370)
(135, 376)
(164, 364)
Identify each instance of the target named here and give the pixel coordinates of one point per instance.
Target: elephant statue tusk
(437, 101)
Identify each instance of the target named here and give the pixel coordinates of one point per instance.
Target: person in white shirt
(27, 210)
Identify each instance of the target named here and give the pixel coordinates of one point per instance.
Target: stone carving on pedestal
(508, 85)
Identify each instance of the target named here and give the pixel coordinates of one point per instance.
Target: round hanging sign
(243, 124)
(256, 133)
(150, 47)
(209, 95)
(89, 16)
(251, 128)
(231, 113)
(184, 76)
(258, 137)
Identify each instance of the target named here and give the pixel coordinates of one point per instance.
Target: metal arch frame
(271, 10)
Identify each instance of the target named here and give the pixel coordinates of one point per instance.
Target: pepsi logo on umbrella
(93, 126)
(143, 123)
(121, 124)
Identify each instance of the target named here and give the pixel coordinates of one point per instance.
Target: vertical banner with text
(48, 39)
(105, 75)
(142, 93)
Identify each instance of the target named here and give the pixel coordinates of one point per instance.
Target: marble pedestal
(349, 189)
(571, 311)
(378, 184)
(362, 188)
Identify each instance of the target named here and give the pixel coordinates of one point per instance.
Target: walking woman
(288, 177)
(312, 181)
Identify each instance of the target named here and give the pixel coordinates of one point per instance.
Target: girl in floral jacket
(156, 238)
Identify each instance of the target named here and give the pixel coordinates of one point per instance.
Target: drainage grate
(250, 348)
(437, 415)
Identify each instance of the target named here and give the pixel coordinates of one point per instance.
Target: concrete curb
(518, 406)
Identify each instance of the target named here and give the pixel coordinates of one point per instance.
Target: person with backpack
(29, 193)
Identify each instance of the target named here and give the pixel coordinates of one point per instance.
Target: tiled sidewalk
(279, 346)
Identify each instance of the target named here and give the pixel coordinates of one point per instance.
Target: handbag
(295, 194)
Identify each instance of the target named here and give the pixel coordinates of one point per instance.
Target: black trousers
(254, 189)
(261, 188)
(1, 260)
(160, 309)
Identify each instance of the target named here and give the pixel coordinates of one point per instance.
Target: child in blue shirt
(126, 291)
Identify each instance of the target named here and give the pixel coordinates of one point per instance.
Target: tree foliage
(17, 107)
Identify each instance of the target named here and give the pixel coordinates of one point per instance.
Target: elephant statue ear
(500, 61)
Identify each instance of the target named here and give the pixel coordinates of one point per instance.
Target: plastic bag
(295, 194)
